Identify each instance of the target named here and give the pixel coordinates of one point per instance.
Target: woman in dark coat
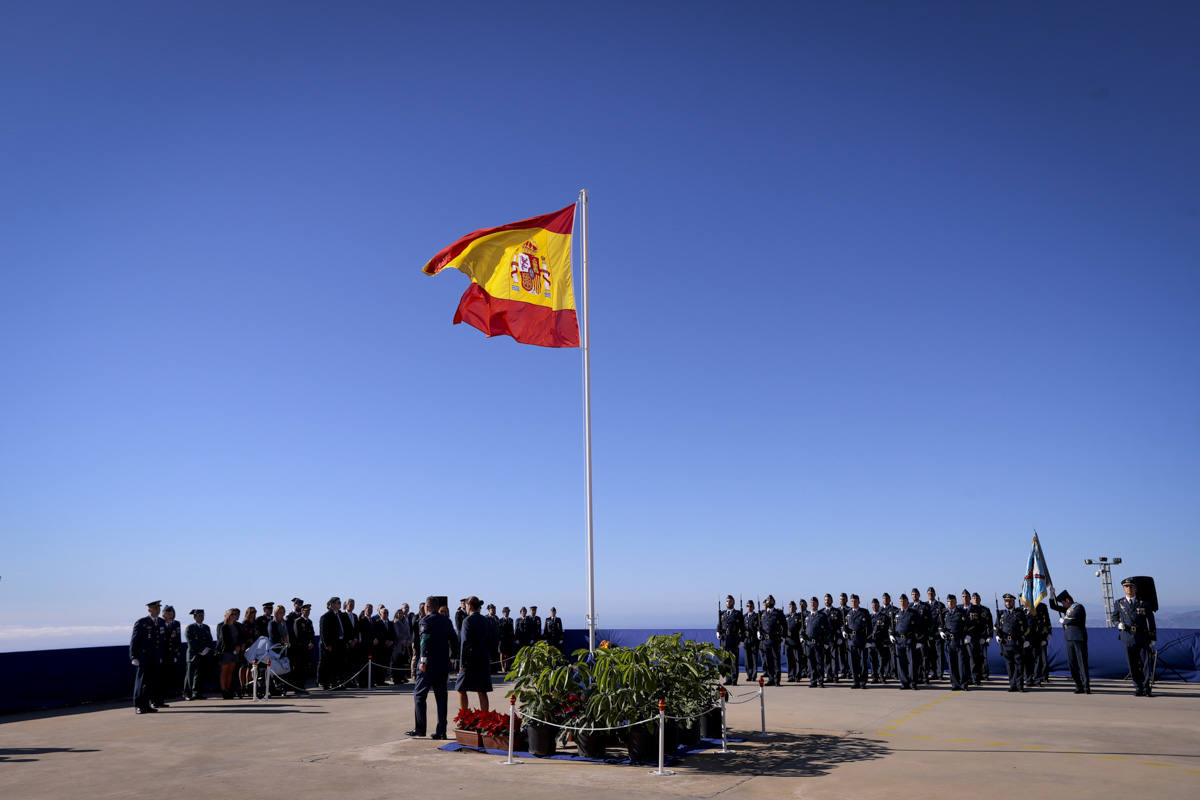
(476, 642)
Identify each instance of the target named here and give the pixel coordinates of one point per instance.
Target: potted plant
(549, 693)
(691, 678)
(467, 728)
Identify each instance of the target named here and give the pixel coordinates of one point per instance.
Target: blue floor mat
(671, 758)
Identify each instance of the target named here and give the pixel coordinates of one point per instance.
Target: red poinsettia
(489, 723)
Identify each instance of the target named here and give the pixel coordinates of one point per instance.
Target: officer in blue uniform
(889, 666)
(436, 644)
(973, 640)
(954, 629)
(795, 624)
(146, 649)
(554, 629)
(843, 645)
(989, 630)
(858, 632)
(730, 630)
(919, 657)
(173, 657)
(879, 646)
(1036, 663)
(908, 639)
(750, 643)
(833, 647)
(1135, 622)
(816, 639)
(200, 648)
(1074, 625)
(1012, 636)
(935, 645)
(773, 626)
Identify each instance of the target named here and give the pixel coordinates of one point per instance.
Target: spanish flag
(520, 279)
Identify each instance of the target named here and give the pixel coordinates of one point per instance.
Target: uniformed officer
(173, 655)
(935, 647)
(535, 625)
(973, 640)
(889, 666)
(262, 624)
(146, 648)
(750, 642)
(200, 647)
(879, 644)
(1074, 624)
(437, 644)
(833, 647)
(1135, 621)
(460, 614)
(1036, 665)
(523, 630)
(858, 633)
(554, 629)
(331, 668)
(921, 608)
(816, 640)
(792, 645)
(843, 648)
(989, 631)
(301, 652)
(508, 639)
(730, 631)
(955, 629)
(1011, 630)
(774, 626)
(908, 639)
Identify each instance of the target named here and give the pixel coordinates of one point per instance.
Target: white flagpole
(587, 423)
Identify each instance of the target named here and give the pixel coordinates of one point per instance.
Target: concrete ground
(827, 743)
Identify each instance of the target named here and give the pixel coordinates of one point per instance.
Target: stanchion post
(662, 740)
(762, 706)
(724, 734)
(254, 681)
(512, 731)
(267, 682)
(370, 661)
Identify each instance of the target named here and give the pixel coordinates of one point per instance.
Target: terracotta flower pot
(469, 738)
(501, 742)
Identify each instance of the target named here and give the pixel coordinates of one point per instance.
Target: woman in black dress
(249, 635)
(476, 641)
(229, 648)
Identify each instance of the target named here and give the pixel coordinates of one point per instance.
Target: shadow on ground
(18, 754)
(787, 755)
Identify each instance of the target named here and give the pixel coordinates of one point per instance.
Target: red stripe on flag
(562, 221)
(526, 322)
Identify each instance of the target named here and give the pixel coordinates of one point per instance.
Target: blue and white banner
(1037, 587)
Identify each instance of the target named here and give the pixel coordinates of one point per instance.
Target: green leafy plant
(545, 685)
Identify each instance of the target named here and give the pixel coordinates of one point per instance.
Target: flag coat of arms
(520, 279)
(1037, 587)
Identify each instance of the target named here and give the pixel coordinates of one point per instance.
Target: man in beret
(1073, 617)
(146, 650)
(200, 647)
(1135, 621)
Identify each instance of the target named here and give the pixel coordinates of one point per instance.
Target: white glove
(1120, 626)
(997, 638)
(1025, 644)
(966, 640)
(920, 646)
(892, 637)
(135, 662)
(942, 634)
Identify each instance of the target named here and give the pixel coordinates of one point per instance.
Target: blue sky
(874, 290)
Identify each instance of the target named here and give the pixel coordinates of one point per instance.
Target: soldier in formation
(731, 628)
(1135, 624)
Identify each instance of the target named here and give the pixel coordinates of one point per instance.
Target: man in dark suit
(1135, 621)
(200, 647)
(436, 645)
(146, 649)
(331, 667)
(1074, 625)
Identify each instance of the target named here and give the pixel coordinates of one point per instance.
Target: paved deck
(831, 743)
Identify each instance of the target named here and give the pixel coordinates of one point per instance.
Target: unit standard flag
(520, 279)
(1037, 586)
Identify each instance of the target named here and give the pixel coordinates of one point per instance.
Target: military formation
(921, 641)
(333, 651)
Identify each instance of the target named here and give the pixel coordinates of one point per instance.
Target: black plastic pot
(710, 724)
(591, 745)
(689, 731)
(642, 743)
(672, 738)
(543, 739)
